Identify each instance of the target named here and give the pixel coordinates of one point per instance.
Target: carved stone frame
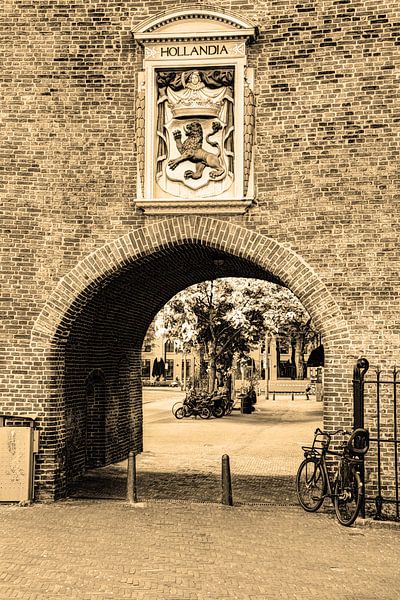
(166, 39)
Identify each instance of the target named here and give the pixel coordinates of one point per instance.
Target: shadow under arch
(95, 393)
(187, 245)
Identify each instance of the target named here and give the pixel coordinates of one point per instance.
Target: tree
(149, 337)
(286, 318)
(217, 318)
(228, 317)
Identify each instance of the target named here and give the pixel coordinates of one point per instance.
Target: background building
(280, 371)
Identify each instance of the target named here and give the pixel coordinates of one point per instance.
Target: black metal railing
(375, 407)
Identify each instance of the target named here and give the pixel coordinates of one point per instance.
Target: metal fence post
(360, 370)
(396, 440)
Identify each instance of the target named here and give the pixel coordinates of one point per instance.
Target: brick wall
(79, 291)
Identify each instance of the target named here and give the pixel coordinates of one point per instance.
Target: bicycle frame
(321, 461)
(346, 490)
(320, 450)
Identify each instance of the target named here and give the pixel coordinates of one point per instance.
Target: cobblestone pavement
(182, 459)
(110, 483)
(179, 543)
(87, 550)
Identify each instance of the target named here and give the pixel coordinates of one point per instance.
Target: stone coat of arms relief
(195, 131)
(195, 113)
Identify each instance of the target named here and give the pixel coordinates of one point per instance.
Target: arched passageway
(89, 334)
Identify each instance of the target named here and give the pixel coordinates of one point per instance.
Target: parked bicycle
(228, 406)
(192, 406)
(217, 403)
(314, 484)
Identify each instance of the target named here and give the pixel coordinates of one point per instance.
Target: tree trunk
(299, 357)
(267, 343)
(293, 357)
(229, 386)
(200, 376)
(212, 371)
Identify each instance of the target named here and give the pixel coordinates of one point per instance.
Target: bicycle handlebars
(319, 431)
(358, 442)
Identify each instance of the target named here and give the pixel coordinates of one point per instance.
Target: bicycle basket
(320, 443)
(358, 443)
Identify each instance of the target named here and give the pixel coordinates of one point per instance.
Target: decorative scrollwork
(140, 106)
(249, 123)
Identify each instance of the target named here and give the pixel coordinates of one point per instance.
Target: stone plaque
(195, 108)
(15, 463)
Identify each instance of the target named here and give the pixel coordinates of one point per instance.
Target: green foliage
(228, 317)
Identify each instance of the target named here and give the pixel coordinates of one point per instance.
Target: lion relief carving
(192, 150)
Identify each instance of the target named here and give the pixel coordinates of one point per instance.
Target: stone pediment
(194, 25)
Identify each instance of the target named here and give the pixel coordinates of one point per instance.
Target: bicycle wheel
(347, 497)
(218, 411)
(310, 484)
(205, 413)
(175, 406)
(180, 412)
(228, 408)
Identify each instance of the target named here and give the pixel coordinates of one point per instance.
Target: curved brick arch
(80, 284)
(65, 325)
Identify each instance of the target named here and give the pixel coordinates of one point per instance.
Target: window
(146, 368)
(283, 345)
(188, 374)
(169, 369)
(169, 346)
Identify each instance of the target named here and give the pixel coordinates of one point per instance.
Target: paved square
(91, 550)
(174, 545)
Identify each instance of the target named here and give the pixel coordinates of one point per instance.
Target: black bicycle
(192, 406)
(313, 483)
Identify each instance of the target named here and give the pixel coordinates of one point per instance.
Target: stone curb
(376, 524)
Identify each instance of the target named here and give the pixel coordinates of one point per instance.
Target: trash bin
(19, 441)
(246, 404)
(253, 396)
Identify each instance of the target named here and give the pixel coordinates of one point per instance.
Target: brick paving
(182, 459)
(88, 550)
(178, 543)
(110, 483)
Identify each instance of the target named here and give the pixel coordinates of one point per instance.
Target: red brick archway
(265, 252)
(99, 312)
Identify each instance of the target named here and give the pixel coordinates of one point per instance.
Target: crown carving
(195, 99)
(184, 109)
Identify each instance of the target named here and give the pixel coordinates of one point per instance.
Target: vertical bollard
(131, 480)
(226, 482)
